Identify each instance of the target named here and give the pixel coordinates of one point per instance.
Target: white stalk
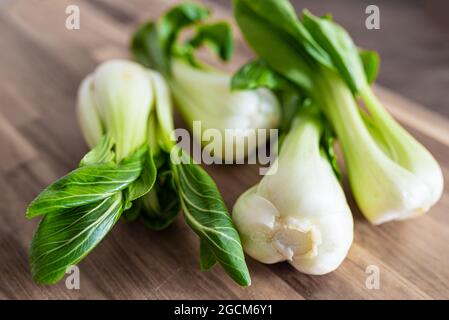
(298, 213)
(116, 99)
(205, 95)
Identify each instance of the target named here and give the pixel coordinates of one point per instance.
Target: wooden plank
(41, 66)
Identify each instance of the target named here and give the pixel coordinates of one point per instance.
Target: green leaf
(327, 143)
(101, 153)
(291, 102)
(88, 184)
(153, 42)
(160, 209)
(179, 17)
(280, 15)
(146, 180)
(371, 64)
(161, 205)
(147, 49)
(133, 213)
(256, 74)
(275, 46)
(342, 50)
(64, 238)
(206, 214)
(207, 257)
(218, 36)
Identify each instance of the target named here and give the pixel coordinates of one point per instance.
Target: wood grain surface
(41, 65)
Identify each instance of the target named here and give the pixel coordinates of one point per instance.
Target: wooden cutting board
(41, 65)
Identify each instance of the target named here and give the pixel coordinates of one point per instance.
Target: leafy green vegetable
(87, 184)
(145, 182)
(64, 238)
(206, 214)
(281, 16)
(81, 208)
(162, 205)
(273, 45)
(126, 117)
(179, 17)
(218, 36)
(200, 91)
(256, 74)
(337, 42)
(102, 153)
(147, 48)
(371, 64)
(284, 218)
(153, 43)
(392, 175)
(133, 212)
(207, 257)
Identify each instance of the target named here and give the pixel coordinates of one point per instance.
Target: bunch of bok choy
(125, 114)
(201, 92)
(392, 176)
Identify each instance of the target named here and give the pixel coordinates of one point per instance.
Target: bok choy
(392, 176)
(298, 211)
(201, 92)
(126, 118)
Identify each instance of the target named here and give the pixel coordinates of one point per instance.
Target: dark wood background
(41, 65)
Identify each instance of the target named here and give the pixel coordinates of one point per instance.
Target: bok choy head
(79, 209)
(202, 93)
(298, 212)
(125, 114)
(392, 175)
(116, 99)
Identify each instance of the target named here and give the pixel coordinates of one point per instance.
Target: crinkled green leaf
(152, 44)
(179, 17)
(218, 36)
(147, 49)
(65, 238)
(207, 215)
(256, 74)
